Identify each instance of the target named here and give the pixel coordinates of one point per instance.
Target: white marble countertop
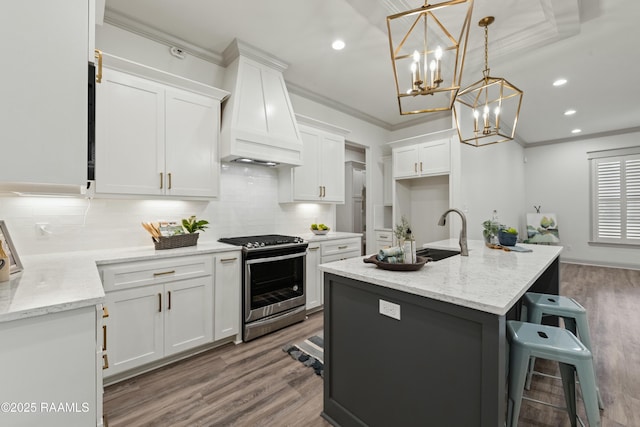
(331, 235)
(68, 280)
(488, 280)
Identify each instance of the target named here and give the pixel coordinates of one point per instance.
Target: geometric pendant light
(487, 111)
(428, 46)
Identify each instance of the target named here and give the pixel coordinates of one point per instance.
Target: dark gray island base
(441, 364)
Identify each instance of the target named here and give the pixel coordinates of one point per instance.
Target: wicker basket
(177, 241)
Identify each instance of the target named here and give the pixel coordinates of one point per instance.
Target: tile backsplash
(248, 205)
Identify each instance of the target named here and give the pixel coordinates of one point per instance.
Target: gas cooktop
(250, 242)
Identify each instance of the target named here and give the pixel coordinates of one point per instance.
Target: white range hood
(258, 122)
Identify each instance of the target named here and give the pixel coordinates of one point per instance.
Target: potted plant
(191, 224)
(508, 236)
(491, 230)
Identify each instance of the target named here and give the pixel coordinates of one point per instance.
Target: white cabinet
(228, 276)
(384, 239)
(321, 177)
(52, 360)
(43, 113)
(323, 252)
(155, 139)
(422, 159)
(313, 277)
(387, 181)
(156, 309)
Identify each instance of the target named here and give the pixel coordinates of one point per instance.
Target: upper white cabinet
(258, 121)
(156, 139)
(321, 177)
(43, 113)
(422, 159)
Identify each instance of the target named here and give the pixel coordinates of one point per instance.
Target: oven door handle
(276, 258)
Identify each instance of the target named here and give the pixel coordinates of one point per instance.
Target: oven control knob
(249, 245)
(261, 244)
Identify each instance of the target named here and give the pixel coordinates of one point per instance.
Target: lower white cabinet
(228, 275)
(161, 308)
(323, 252)
(48, 361)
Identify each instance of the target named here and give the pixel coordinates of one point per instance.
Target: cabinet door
(227, 295)
(387, 178)
(188, 308)
(305, 177)
(332, 172)
(129, 135)
(434, 158)
(405, 162)
(43, 113)
(134, 327)
(192, 127)
(313, 277)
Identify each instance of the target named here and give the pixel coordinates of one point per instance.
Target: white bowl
(320, 232)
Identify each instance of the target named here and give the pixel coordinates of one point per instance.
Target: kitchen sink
(436, 254)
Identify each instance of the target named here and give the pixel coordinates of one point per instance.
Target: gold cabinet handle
(164, 273)
(314, 249)
(105, 312)
(159, 302)
(161, 180)
(169, 176)
(320, 188)
(105, 361)
(104, 337)
(343, 247)
(224, 260)
(383, 236)
(169, 302)
(420, 166)
(324, 191)
(97, 54)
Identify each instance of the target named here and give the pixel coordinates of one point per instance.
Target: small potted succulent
(508, 236)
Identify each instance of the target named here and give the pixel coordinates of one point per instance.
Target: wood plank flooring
(257, 384)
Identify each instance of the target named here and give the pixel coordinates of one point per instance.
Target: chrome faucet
(464, 250)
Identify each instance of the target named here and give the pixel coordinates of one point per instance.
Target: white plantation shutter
(616, 196)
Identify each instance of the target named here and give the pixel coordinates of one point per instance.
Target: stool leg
(534, 316)
(589, 391)
(569, 385)
(584, 335)
(517, 374)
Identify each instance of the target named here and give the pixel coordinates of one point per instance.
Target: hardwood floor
(257, 384)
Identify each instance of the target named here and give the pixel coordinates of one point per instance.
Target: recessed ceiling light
(560, 82)
(569, 112)
(576, 131)
(338, 45)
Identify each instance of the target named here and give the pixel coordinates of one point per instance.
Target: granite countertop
(488, 280)
(331, 235)
(68, 280)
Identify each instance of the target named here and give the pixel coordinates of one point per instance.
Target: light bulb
(432, 65)
(476, 114)
(416, 56)
(497, 111)
(438, 53)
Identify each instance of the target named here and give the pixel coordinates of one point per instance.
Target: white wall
(557, 177)
(493, 178)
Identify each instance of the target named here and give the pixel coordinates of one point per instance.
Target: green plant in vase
(191, 224)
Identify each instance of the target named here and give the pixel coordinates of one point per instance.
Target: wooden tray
(373, 259)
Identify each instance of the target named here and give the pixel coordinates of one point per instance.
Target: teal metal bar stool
(552, 343)
(574, 316)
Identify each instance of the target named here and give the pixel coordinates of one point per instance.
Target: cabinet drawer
(384, 236)
(133, 274)
(342, 255)
(340, 246)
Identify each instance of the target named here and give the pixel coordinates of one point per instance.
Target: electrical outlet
(390, 309)
(41, 230)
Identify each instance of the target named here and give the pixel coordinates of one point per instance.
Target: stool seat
(574, 315)
(552, 343)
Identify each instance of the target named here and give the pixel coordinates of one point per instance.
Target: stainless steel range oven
(274, 294)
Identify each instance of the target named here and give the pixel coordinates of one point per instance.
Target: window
(615, 194)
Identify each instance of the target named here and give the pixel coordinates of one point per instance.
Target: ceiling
(591, 43)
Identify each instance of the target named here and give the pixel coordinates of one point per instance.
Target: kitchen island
(438, 354)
